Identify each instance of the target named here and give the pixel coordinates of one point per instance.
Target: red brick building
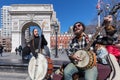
(6, 43)
(62, 40)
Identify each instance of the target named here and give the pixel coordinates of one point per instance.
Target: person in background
(1, 50)
(16, 49)
(26, 56)
(20, 50)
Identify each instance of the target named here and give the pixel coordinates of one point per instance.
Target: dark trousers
(1, 53)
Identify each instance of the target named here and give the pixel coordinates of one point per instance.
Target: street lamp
(56, 32)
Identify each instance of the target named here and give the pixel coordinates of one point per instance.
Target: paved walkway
(13, 76)
(16, 60)
(13, 59)
(9, 55)
(8, 60)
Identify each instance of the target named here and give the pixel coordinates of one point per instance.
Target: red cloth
(112, 49)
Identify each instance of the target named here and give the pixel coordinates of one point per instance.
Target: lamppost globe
(56, 27)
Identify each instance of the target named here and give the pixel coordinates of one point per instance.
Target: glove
(36, 55)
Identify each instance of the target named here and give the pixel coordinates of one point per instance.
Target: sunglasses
(78, 25)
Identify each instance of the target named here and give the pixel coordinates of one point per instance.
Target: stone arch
(32, 22)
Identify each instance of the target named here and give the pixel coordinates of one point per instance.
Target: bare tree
(105, 9)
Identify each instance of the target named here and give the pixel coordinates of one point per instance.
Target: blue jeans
(70, 69)
(27, 57)
(101, 55)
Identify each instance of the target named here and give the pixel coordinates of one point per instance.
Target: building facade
(6, 21)
(6, 43)
(62, 40)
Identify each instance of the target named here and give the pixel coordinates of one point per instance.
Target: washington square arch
(26, 16)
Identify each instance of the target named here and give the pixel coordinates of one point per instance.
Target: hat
(98, 41)
(104, 41)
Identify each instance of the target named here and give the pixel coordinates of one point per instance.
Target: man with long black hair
(37, 43)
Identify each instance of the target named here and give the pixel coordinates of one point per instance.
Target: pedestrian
(26, 56)
(20, 50)
(1, 50)
(16, 49)
(80, 41)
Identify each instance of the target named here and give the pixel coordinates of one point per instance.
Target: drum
(50, 66)
(40, 67)
(88, 59)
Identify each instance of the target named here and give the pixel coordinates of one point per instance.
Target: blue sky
(68, 11)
